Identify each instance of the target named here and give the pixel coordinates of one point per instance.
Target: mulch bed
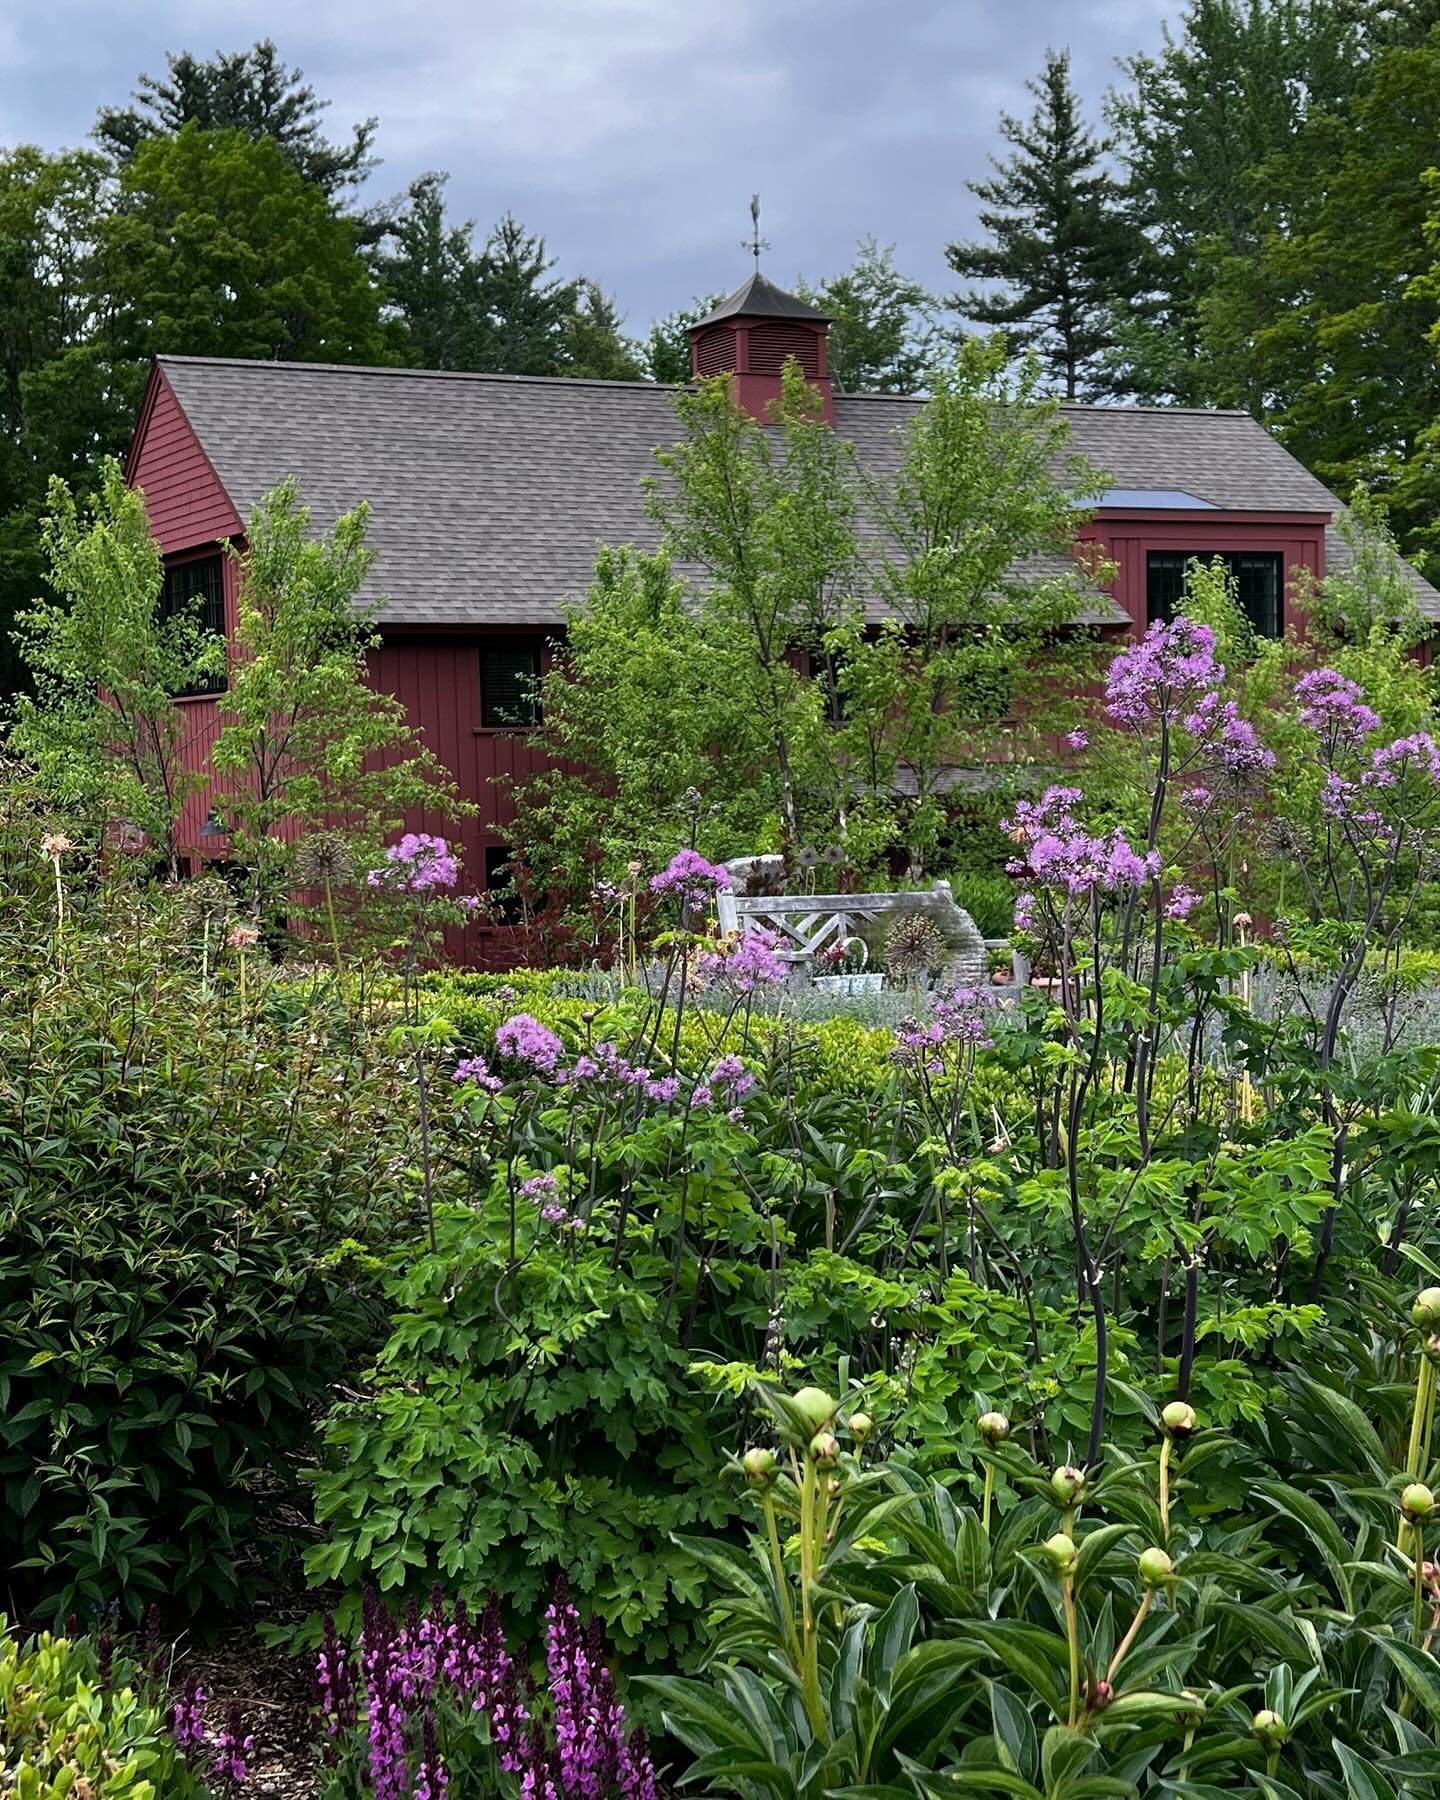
(275, 1694)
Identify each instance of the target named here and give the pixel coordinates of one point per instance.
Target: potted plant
(840, 968)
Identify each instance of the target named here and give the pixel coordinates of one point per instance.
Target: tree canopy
(1060, 253)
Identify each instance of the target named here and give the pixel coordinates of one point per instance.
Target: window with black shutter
(1255, 573)
(197, 590)
(509, 685)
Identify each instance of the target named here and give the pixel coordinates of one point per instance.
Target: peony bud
(759, 1467)
(1417, 1503)
(1270, 1728)
(1155, 1567)
(1099, 1695)
(1178, 1419)
(1061, 1552)
(993, 1427)
(825, 1449)
(1426, 1310)
(861, 1425)
(1067, 1485)
(1431, 1347)
(816, 1406)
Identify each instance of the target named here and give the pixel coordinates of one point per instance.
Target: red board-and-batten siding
(1127, 536)
(436, 675)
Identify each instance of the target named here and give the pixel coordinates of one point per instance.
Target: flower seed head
(1417, 1502)
(1178, 1419)
(759, 1467)
(1067, 1485)
(1426, 1310)
(1062, 1553)
(825, 1449)
(993, 1427)
(1155, 1567)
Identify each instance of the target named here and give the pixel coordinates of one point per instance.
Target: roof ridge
(168, 360)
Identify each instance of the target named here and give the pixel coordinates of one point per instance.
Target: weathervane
(755, 243)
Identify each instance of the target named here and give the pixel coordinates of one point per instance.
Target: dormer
(753, 334)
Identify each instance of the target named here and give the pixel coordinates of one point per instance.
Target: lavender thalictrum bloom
(524, 1039)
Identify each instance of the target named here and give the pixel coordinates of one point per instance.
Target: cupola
(752, 335)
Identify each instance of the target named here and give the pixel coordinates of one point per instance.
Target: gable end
(184, 499)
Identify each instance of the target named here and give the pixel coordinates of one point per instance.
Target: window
(197, 589)
(1255, 573)
(509, 685)
(500, 885)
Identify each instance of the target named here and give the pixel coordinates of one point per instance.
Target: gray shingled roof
(490, 493)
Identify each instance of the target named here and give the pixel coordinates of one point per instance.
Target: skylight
(1156, 499)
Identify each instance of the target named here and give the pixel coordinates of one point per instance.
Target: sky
(629, 133)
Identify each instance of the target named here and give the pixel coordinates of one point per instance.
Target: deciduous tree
(305, 743)
(102, 726)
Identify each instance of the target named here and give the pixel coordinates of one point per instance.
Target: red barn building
(490, 494)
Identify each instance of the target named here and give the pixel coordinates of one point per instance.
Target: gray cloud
(631, 133)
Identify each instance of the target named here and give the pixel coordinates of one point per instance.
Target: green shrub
(69, 1731)
(527, 1415)
(177, 1167)
(989, 900)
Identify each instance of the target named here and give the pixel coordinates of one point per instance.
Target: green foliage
(69, 1730)
(986, 483)
(526, 1414)
(246, 90)
(647, 701)
(102, 728)
(884, 333)
(1228, 95)
(769, 516)
(305, 742)
(180, 1160)
(1182, 1621)
(499, 309)
(1059, 241)
(218, 246)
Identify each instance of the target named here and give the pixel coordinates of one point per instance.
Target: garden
(667, 1365)
(587, 1384)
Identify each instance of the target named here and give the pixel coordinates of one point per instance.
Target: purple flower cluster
(1060, 853)
(234, 1746)
(417, 864)
(1333, 705)
(959, 1021)
(475, 1069)
(543, 1191)
(576, 1747)
(524, 1039)
(1165, 672)
(691, 879)
(1227, 742)
(742, 964)
(187, 1717)
(1181, 903)
(593, 1755)
(1358, 802)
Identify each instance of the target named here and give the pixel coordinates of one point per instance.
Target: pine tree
(245, 90)
(431, 278)
(526, 311)
(1059, 244)
(883, 334)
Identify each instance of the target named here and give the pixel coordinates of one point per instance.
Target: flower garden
(586, 1385)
